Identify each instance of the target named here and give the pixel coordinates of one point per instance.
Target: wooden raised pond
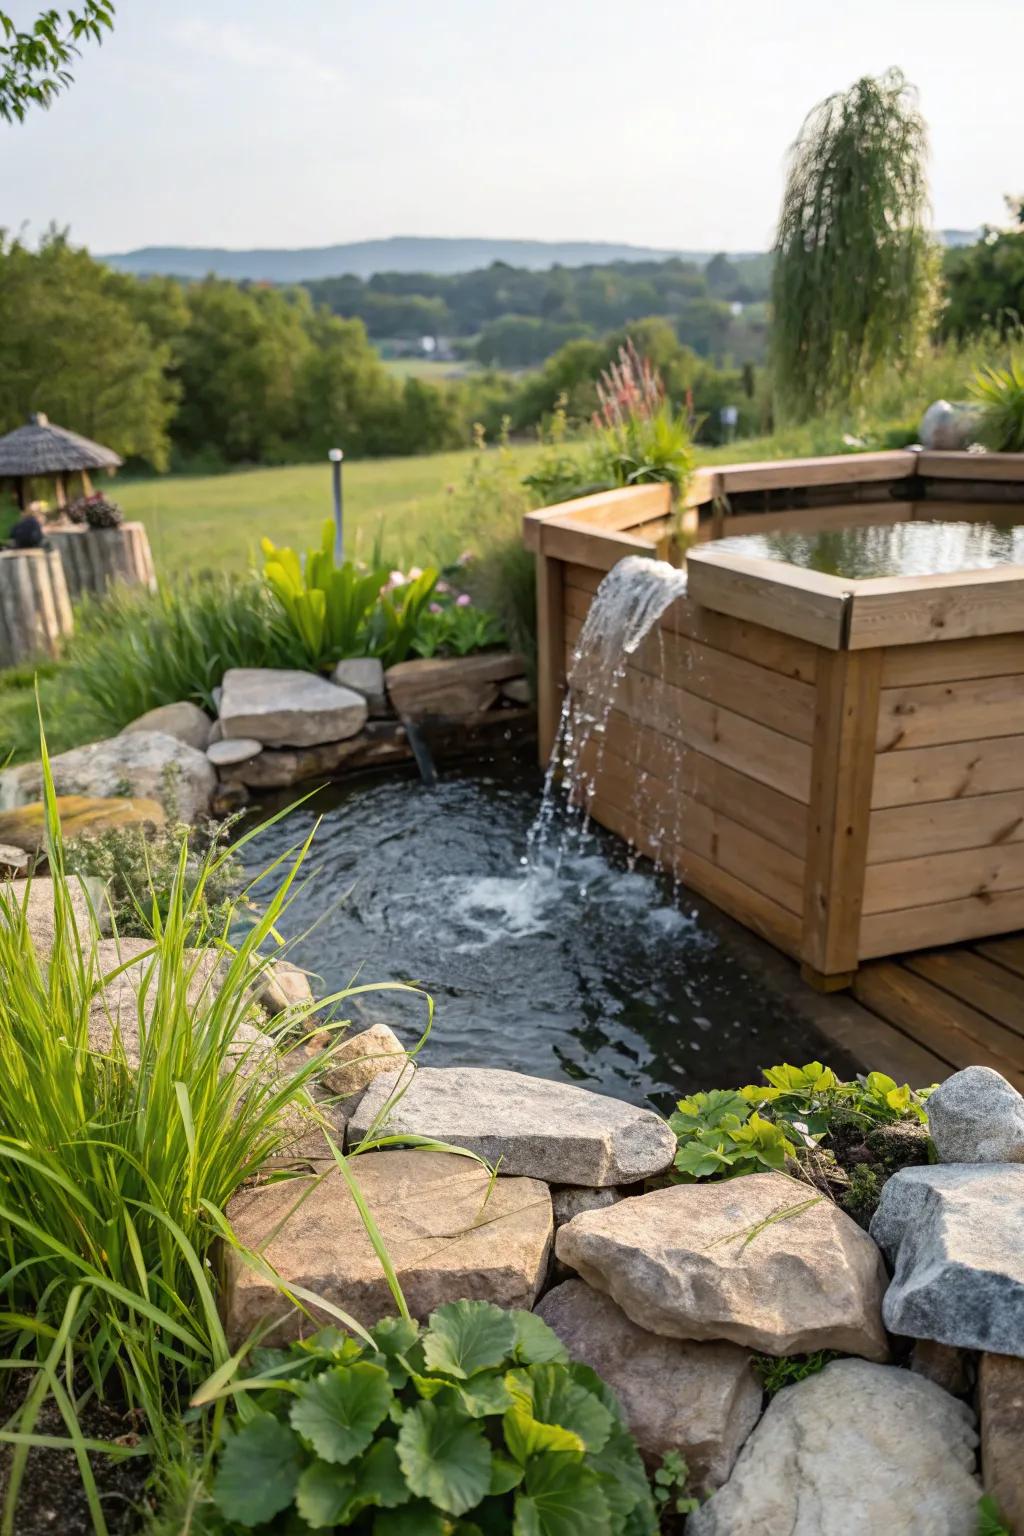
(836, 760)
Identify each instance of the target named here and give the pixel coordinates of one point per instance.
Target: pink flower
(435, 608)
(463, 600)
(442, 586)
(415, 573)
(396, 579)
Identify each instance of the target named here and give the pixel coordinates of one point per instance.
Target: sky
(309, 122)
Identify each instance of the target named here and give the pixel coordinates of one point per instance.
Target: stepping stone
(762, 1260)
(153, 766)
(448, 1240)
(856, 1450)
(545, 1130)
(450, 687)
(700, 1400)
(280, 708)
(224, 753)
(976, 1116)
(80, 815)
(365, 675)
(953, 1236)
(186, 721)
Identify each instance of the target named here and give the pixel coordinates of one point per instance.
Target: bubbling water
(627, 606)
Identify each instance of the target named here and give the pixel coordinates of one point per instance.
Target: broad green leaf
(258, 1472)
(468, 1336)
(527, 1436)
(417, 1519)
(338, 1412)
(324, 1495)
(558, 1399)
(561, 1497)
(536, 1343)
(505, 1474)
(395, 1335)
(623, 1479)
(380, 1478)
(445, 1457)
(485, 1394)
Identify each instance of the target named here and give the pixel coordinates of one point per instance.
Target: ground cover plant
(476, 1423)
(846, 1137)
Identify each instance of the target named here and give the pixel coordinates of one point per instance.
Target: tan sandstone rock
(762, 1260)
(143, 764)
(288, 708)
(362, 1057)
(79, 816)
(186, 721)
(446, 1238)
(701, 1400)
(35, 897)
(452, 687)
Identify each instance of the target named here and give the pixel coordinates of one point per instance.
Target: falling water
(628, 604)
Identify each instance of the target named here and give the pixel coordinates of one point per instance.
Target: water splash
(627, 606)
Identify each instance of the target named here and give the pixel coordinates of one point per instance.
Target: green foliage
(327, 606)
(984, 283)
(455, 628)
(671, 1482)
(34, 64)
(639, 438)
(735, 1131)
(990, 1520)
(141, 871)
(136, 650)
(853, 280)
(778, 1371)
(478, 1415)
(118, 1158)
(1000, 391)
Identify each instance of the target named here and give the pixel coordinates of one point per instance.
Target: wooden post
(94, 558)
(842, 773)
(550, 652)
(35, 610)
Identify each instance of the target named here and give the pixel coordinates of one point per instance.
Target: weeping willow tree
(854, 272)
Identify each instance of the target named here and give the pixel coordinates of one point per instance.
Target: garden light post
(335, 455)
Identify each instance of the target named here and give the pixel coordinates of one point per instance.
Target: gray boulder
(571, 1200)
(185, 721)
(545, 1130)
(954, 1239)
(365, 675)
(281, 708)
(856, 1450)
(949, 425)
(976, 1116)
(763, 1260)
(701, 1400)
(227, 753)
(143, 764)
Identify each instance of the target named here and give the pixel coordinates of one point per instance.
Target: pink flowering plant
(453, 625)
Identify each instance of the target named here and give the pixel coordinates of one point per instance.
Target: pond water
(585, 966)
(924, 547)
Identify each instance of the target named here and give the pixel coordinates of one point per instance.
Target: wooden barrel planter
(95, 558)
(35, 609)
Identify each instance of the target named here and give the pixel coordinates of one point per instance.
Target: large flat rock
(953, 1236)
(545, 1130)
(281, 708)
(450, 687)
(144, 764)
(858, 1450)
(762, 1260)
(79, 816)
(700, 1400)
(448, 1239)
(976, 1116)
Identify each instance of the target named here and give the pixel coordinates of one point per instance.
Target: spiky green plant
(119, 1150)
(854, 274)
(1000, 392)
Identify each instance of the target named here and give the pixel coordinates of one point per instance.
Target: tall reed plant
(122, 1140)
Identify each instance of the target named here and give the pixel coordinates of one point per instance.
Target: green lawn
(198, 522)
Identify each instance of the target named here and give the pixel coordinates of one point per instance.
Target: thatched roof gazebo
(40, 450)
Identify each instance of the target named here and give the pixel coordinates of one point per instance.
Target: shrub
(477, 1422)
(804, 1117)
(136, 650)
(141, 871)
(638, 437)
(1000, 392)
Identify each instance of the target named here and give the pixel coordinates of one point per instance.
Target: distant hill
(400, 253)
